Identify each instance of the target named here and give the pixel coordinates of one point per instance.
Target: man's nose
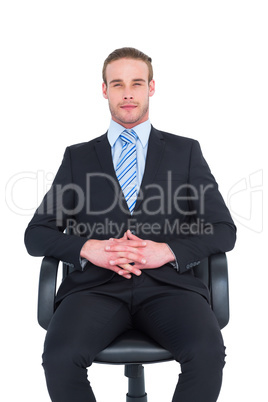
(128, 94)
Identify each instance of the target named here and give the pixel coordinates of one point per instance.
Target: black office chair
(133, 348)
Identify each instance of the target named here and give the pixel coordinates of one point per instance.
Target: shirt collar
(142, 130)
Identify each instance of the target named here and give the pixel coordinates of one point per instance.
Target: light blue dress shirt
(143, 131)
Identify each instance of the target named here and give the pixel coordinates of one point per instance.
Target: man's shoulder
(87, 144)
(174, 138)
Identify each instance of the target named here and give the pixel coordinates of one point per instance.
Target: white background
(210, 63)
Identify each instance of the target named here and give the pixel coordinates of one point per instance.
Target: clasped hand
(127, 255)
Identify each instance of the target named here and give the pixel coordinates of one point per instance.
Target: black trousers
(180, 320)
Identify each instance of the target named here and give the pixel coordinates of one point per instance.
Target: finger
(127, 246)
(123, 238)
(126, 262)
(130, 270)
(126, 258)
(125, 273)
(125, 268)
(128, 274)
(118, 241)
(121, 271)
(137, 243)
(131, 236)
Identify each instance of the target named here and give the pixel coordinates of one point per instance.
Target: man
(143, 209)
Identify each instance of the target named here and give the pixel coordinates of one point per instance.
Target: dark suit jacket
(179, 204)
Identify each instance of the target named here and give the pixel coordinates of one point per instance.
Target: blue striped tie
(126, 169)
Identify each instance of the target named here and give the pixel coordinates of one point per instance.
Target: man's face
(128, 91)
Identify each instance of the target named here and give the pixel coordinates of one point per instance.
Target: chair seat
(133, 347)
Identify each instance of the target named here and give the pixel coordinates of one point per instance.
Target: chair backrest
(213, 271)
(202, 271)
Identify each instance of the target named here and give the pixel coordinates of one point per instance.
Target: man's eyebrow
(139, 80)
(113, 81)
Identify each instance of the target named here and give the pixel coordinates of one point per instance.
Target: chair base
(136, 383)
(136, 399)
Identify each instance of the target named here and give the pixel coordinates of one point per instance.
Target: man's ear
(104, 90)
(151, 88)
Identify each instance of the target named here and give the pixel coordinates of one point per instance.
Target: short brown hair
(128, 53)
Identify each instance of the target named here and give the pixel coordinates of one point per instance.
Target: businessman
(143, 209)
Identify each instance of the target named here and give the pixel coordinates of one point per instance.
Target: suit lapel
(155, 151)
(103, 150)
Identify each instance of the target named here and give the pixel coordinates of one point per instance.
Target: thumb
(131, 236)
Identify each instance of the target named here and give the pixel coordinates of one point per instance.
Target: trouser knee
(209, 362)
(201, 373)
(205, 356)
(63, 359)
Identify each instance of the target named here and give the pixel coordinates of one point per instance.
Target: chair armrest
(219, 290)
(47, 290)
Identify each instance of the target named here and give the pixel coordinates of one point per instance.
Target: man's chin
(129, 120)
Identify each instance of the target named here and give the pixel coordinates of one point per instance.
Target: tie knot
(129, 136)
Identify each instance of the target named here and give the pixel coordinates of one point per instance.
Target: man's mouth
(128, 107)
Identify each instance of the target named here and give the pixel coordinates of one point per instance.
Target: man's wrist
(84, 250)
(173, 262)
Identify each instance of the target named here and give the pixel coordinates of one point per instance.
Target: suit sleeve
(213, 230)
(45, 235)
